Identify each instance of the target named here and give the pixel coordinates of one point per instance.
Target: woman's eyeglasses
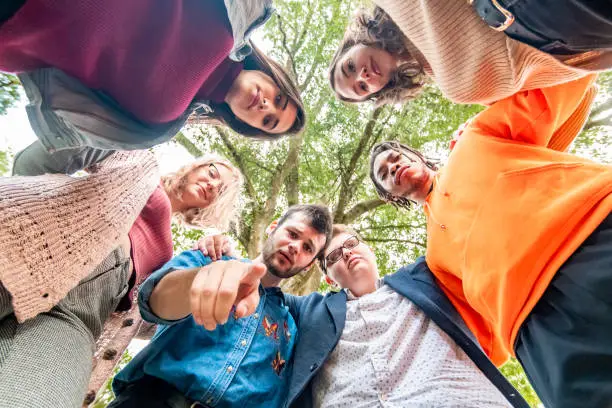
(335, 255)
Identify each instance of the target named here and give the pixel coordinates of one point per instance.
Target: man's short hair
(344, 229)
(317, 216)
(338, 229)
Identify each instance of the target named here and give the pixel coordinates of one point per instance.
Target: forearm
(170, 297)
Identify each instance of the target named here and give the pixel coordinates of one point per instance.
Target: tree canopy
(9, 91)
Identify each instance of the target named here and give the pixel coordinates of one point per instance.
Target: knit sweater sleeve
(470, 62)
(54, 229)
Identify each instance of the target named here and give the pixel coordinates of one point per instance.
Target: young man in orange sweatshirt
(520, 239)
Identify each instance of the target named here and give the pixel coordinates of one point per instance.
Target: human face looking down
(362, 71)
(292, 247)
(403, 174)
(204, 184)
(356, 269)
(256, 100)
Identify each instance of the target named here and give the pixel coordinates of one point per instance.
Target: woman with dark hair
(519, 237)
(127, 75)
(386, 55)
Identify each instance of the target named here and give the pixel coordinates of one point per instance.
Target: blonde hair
(219, 213)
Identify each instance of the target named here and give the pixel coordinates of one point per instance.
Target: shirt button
(383, 396)
(209, 401)
(243, 343)
(256, 315)
(230, 369)
(313, 367)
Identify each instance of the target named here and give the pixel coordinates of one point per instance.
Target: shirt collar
(274, 290)
(351, 296)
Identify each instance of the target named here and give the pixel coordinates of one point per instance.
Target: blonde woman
(85, 244)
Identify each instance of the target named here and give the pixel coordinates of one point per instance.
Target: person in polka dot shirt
(392, 342)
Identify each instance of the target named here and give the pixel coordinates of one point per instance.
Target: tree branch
(358, 210)
(237, 158)
(184, 141)
(601, 108)
(261, 166)
(292, 186)
(320, 45)
(299, 40)
(363, 141)
(285, 46)
(295, 146)
(346, 191)
(407, 241)
(604, 121)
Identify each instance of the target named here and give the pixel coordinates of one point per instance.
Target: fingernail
(241, 311)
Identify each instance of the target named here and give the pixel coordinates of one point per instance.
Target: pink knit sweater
(54, 229)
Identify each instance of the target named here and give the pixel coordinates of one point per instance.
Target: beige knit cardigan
(472, 63)
(55, 229)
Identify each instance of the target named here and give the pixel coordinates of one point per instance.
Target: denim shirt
(241, 363)
(65, 114)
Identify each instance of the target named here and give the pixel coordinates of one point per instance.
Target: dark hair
(337, 230)
(378, 30)
(221, 113)
(398, 147)
(319, 218)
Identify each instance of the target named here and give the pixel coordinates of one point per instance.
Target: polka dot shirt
(391, 355)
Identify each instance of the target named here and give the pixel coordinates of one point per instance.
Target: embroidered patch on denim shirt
(278, 363)
(271, 329)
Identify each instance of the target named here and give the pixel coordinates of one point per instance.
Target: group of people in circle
(519, 232)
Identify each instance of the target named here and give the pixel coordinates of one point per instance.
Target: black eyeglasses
(335, 255)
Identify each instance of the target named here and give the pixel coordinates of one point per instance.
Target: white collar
(351, 296)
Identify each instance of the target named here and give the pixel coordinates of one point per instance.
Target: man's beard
(268, 254)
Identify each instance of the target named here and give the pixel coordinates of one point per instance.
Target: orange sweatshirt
(507, 211)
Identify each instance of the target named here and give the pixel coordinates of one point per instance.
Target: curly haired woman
(387, 55)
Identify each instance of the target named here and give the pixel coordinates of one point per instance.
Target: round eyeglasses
(335, 255)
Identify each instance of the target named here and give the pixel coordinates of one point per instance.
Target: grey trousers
(35, 160)
(46, 361)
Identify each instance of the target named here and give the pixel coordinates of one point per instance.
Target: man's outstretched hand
(219, 286)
